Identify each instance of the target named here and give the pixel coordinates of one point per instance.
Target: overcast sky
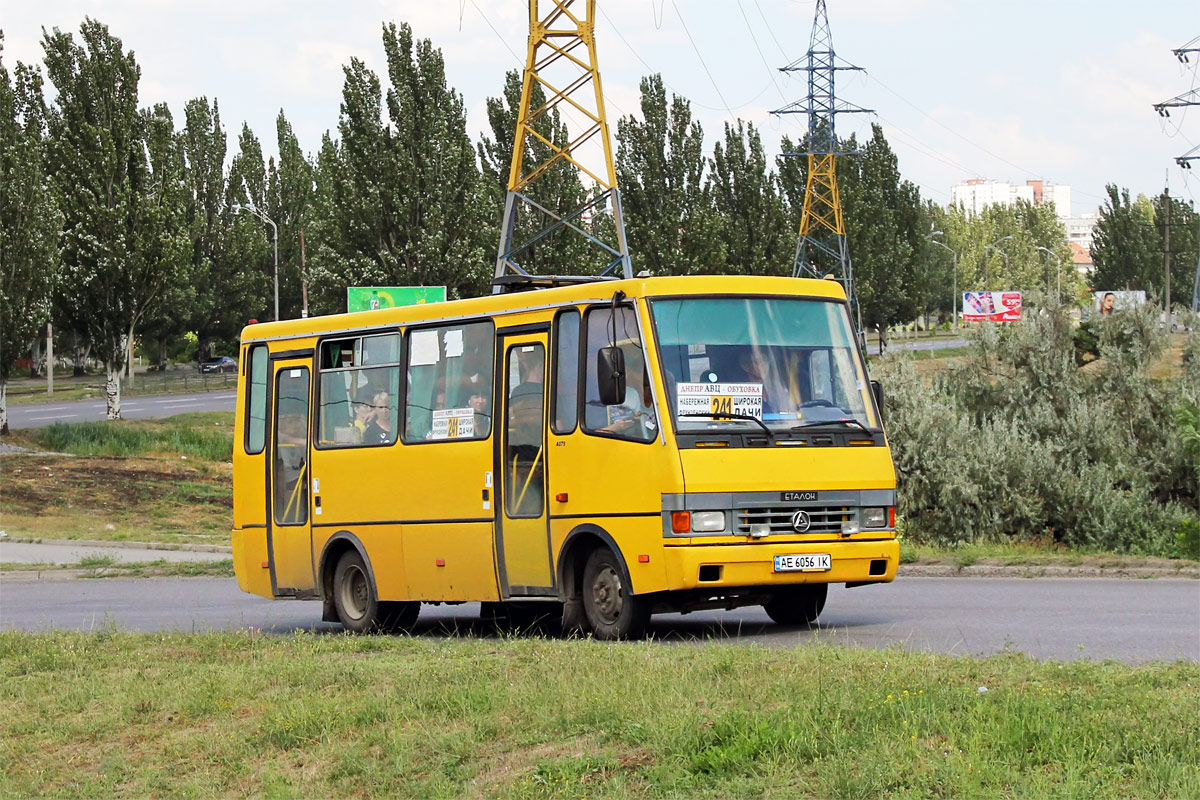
(1054, 89)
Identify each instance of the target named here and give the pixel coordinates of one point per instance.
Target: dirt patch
(160, 499)
(34, 483)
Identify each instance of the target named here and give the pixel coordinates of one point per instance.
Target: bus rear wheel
(797, 605)
(612, 610)
(358, 606)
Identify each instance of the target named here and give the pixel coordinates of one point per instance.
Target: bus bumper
(250, 561)
(753, 564)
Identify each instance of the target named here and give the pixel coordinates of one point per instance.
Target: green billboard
(368, 298)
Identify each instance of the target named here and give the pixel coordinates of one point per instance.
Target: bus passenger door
(522, 529)
(289, 541)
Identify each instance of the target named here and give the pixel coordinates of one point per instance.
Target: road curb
(1041, 571)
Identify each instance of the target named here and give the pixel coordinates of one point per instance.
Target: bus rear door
(289, 540)
(522, 529)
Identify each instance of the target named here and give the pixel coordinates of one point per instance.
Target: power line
(754, 38)
(728, 109)
(701, 57)
(771, 31)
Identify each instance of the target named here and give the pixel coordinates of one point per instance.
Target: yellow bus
(609, 449)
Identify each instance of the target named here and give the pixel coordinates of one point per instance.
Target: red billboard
(991, 306)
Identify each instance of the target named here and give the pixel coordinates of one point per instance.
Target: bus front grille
(779, 519)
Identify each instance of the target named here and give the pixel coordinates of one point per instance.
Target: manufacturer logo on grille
(800, 521)
(798, 497)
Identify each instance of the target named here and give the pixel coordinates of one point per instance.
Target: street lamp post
(954, 279)
(1058, 274)
(988, 264)
(237, 209)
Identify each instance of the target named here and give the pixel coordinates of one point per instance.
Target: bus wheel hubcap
(354, 593)
(606, 592)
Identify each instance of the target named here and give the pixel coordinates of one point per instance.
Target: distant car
(222, 364)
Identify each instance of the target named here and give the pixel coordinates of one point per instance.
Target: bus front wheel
(612, 610)
(358, 607)
(797, 605)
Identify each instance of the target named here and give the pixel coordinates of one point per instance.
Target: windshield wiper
(716, 415)
(844, 421)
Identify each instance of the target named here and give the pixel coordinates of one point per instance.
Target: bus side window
(566, 372)
(634, 418)
(291, 447)
(256, 400)
(449, 382)
(359, 391)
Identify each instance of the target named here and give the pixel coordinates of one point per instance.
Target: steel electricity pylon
(822, 246)
(1184, 100)
(561, 59)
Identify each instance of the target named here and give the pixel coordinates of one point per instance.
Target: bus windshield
(745, 362)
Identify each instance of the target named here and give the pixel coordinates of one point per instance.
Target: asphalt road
(39, 415)
(1127, 620)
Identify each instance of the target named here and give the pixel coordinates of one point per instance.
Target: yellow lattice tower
(562, 60)
(822, 203)
(822, 246)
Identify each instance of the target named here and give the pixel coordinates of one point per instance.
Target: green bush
(1018, 442)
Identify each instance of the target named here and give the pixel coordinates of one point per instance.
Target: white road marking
(53, 416)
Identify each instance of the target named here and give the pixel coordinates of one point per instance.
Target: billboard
(991, 306)
(1108, 302)
(368, 298)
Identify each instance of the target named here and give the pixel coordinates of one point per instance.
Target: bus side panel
(385, 552)
(249, 532)
(428, 497)
(450, 562)
(616, 485)
(442, 486)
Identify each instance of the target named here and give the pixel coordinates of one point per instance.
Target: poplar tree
(289, 196)
(29, 219)
(671, 224)
(745, 191)
(115, 263)
(885, 227)
(1126, 249)
(250, 243)
(169, 314)
(400, 202)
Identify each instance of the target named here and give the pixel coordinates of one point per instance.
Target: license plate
(808, 562)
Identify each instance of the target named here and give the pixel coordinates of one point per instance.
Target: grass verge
(165, 480)
(162, 499)
(205, 436)
(110, 713)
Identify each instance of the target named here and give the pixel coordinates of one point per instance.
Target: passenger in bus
(634, 417)
(380, 429)
(758, 367)
(480, 404)
(363, 416)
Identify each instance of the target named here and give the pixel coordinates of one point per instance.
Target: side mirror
(610, 374)
(877, 393)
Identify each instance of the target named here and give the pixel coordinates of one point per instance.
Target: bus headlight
(874, 517)
(708, 521)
